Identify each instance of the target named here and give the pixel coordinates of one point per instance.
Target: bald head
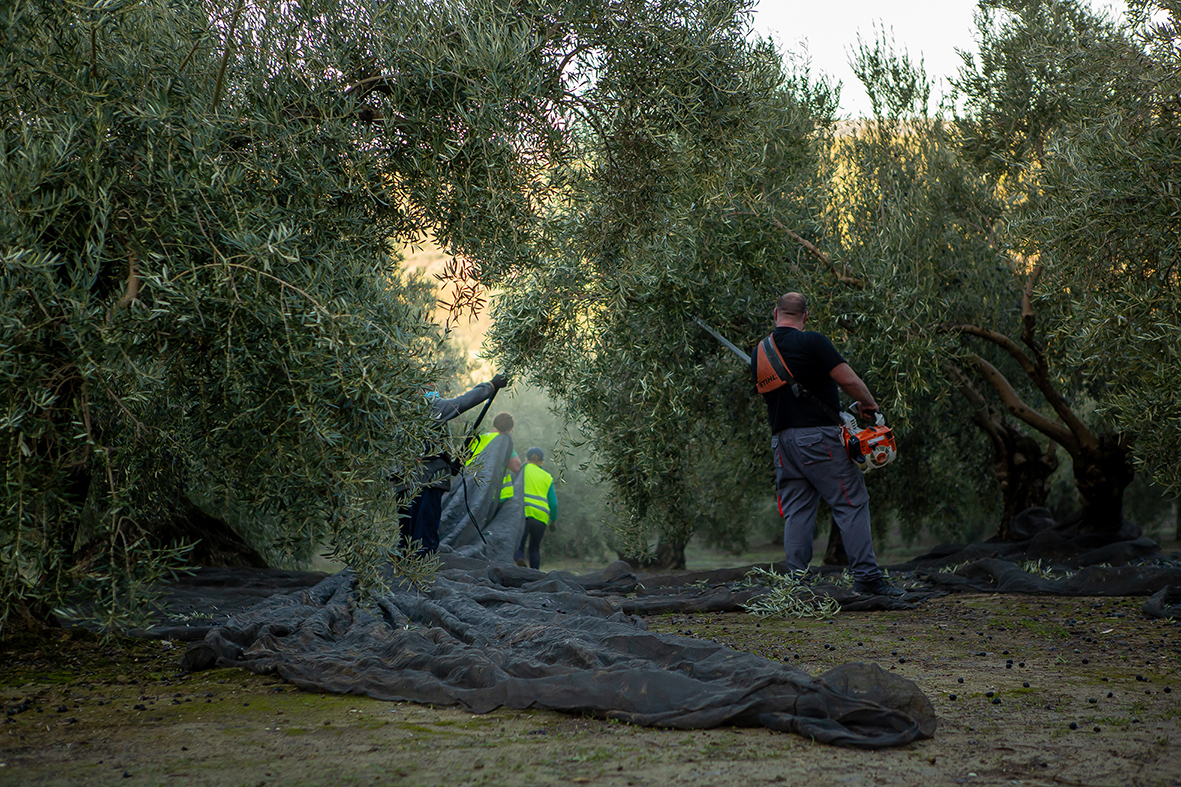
(791, 310)
(792, 303)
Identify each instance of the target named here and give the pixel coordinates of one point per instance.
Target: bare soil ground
(1028, 690)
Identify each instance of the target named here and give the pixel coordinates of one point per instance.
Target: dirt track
(97, 714)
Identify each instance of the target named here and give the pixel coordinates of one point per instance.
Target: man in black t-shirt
(810, 457)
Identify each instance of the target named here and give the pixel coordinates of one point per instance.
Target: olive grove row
(204, 319)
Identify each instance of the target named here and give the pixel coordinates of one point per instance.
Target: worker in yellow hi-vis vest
(541, 506)
(501, 424)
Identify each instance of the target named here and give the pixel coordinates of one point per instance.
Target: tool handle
(878, 418)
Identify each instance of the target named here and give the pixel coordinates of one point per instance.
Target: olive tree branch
(841, 276)
(271, 276)
(225, 58)
(1028, 316)
(1038, 373)
(1055, 431)
(980, 408)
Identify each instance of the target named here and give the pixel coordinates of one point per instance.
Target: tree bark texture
(216, 542)
(1021, 468)
(1101, 476)
(669, 556)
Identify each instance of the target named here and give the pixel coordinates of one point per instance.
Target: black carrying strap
(779, 366)
(471, 436)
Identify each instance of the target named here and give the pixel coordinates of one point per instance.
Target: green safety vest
(506, 491)
(537, 485)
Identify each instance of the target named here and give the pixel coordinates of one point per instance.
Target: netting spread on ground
(489, 636)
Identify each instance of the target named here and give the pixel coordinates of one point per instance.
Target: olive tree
(951, 228)
(1046, 68)
(1107, 231)
(919, 227)
(201, 308)
(662, 217)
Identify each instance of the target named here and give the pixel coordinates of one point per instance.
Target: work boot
(521, 562)
(877, 587)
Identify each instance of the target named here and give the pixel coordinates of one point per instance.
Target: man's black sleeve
(446, 409)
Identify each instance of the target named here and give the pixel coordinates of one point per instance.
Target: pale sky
(932, 29)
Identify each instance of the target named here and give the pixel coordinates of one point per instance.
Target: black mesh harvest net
(489, 636)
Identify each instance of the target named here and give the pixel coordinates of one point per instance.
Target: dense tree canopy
(663, 217)
(199, 297)
(204, 319)
(202, 311)
(1046, 72)
(1108, 229)
(928, 244)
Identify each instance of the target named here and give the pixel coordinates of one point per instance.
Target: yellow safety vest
(537, 485)
(506, 491)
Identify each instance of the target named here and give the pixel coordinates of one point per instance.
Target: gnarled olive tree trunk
(1021, 468)
(1102, 462)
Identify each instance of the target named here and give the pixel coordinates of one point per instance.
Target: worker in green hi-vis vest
(501, 424)
(541, 506)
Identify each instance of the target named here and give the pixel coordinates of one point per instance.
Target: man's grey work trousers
(811, 463)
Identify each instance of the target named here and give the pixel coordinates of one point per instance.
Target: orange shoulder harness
(771, 371)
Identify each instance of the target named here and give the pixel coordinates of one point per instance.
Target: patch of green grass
(591, 755)
(1119, 722)
(18, 677)
(1045, 630)
(714, 750)
(420, 729)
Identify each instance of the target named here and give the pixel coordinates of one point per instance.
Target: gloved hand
(499, 381)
